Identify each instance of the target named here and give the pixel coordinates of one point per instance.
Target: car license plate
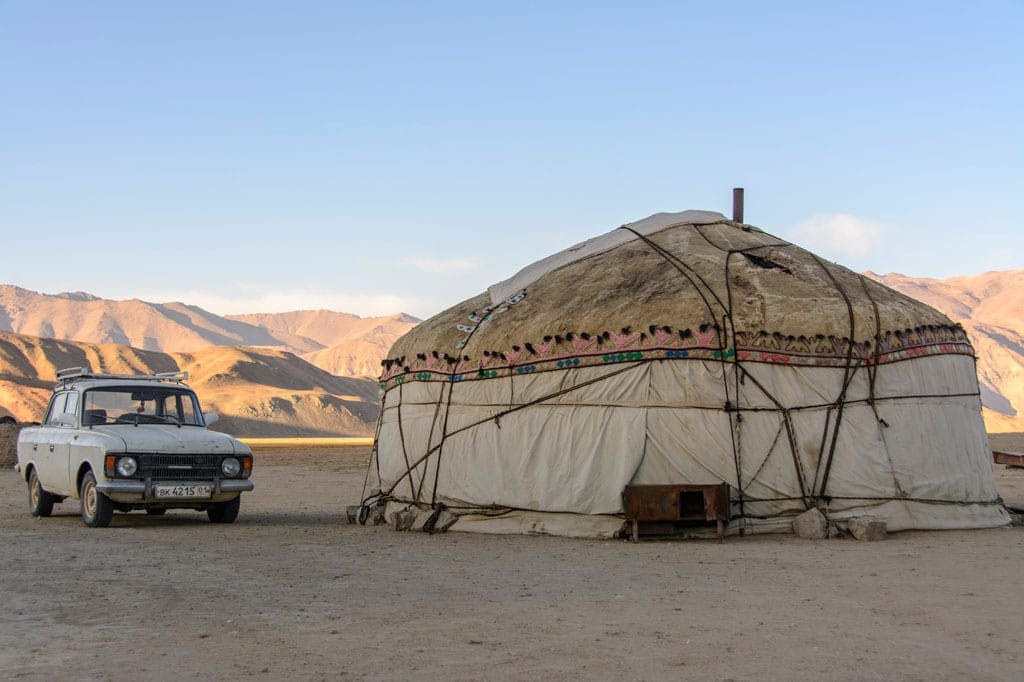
(183, 490)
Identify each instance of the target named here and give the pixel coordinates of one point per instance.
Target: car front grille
(178, 467)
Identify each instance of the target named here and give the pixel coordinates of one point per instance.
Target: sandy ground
(292, 592)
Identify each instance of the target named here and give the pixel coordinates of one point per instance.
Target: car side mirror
(210, 417)
(65, 419)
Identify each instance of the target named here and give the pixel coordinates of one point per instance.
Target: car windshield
(141, 405)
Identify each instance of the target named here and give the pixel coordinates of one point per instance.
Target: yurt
(681, 350)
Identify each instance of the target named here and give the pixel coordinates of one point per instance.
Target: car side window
(72, 405)
(186, 406)
(56, 409)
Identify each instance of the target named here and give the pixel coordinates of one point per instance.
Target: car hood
(174, 439)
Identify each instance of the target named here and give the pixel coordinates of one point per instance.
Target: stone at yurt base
(867, 528)
(811, 525)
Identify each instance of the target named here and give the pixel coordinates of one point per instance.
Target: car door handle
(51, 447)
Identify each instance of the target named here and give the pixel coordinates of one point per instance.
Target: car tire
(97, 509)
(40, 502)
(225, 512)
(156, 511)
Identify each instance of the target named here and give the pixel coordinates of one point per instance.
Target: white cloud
(838, 234)
(432, 266)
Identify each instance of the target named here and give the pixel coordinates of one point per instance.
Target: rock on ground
(867, 528)
(811, 525)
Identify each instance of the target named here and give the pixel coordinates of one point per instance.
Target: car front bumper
(143, 491)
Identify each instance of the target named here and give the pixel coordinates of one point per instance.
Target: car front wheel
(97, 509)
(225, 512)
(40, 502)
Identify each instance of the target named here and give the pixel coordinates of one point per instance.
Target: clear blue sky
(379, 156)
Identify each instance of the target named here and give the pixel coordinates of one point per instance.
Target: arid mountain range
(301, 373)
(338, 343)
(991, 308)
(311, 372)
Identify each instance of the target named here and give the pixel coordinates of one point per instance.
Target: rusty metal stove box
(665, 509)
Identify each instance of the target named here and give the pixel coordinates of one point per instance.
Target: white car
(120, 443)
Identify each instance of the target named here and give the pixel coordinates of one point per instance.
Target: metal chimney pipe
(737, 204)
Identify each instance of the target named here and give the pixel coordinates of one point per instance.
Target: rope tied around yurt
(848, 373)
(685, 269)
(872, 383)
(437, 448)
(787, 423)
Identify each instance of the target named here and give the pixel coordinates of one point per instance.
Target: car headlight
(127, 466)
(230, 467)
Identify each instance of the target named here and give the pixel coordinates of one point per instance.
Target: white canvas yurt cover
(685, 348)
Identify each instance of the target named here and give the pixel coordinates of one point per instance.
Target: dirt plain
(292, 592)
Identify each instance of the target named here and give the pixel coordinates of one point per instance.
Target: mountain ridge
(340, 343)
(990, 306)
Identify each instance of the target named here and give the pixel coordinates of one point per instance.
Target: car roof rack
(69, 375)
